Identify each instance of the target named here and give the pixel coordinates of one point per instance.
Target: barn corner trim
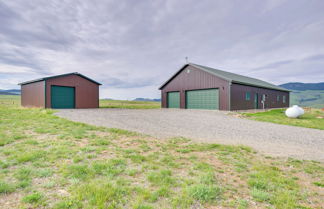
(45, 87)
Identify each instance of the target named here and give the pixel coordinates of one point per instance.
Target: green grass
(129, 104)
(270, 184)
(260, 195)
(313, 118)
(100, 193)
(161, 178)
(35, 197)
(204, 193)
(6, 188)
(9, 100)
(50, 162)
(319, 184)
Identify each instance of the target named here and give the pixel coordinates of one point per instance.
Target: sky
(132, 47)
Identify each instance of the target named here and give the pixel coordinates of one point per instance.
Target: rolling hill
(303, 86)
(306, 94)
(10, 92)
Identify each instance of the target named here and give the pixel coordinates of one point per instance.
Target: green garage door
(173, 100)
(202, 99)
(62, 97)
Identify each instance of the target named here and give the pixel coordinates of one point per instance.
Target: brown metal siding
(238, 101)
(33, 94)
(86, 92)
(196, 79)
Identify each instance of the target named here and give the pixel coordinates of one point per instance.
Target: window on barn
(278, 98)
(284, 99)
(247, 96)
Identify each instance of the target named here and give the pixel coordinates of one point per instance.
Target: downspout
(229, 95)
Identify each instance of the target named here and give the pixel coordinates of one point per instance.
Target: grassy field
(9, 101)
(15, 100)
(129, 104)
(50, 162)
(313, 118)
(308, 98)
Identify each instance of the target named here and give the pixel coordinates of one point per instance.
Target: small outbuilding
(71, 90)
(199, 87)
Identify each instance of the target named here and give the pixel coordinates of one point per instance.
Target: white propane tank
(294, 111)
(301, 111)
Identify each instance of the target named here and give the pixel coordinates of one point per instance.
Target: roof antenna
(187, 60)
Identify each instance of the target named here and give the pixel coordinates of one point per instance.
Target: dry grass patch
(62, 164)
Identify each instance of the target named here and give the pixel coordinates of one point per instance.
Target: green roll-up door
(173, 100)
(62, 97)
(202, 99)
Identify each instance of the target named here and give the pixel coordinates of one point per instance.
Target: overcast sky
(132, 46)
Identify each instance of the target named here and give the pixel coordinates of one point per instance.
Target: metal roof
(55, 76)
(231, 77)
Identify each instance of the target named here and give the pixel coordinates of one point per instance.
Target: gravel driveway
(209, 126)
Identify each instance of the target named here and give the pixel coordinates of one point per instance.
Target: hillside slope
(308, 98)
(306, 94)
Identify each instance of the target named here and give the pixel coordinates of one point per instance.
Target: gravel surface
(209, 126)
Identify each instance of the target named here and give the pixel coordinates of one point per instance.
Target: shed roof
(55, 76)
(231, 77)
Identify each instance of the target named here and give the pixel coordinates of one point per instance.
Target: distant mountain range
(303, 86)
(139, 99)
(306, 94)
(147, 100)
(10, 92)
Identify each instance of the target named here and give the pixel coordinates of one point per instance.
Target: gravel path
(209, 126)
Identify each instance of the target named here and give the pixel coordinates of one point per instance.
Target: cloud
(272, 65)
(131, 46)
(126, 84)
(317, 57)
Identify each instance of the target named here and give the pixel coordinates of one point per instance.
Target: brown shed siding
(238, 101)
(196, 79)
(33, 94)
(86, 92)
